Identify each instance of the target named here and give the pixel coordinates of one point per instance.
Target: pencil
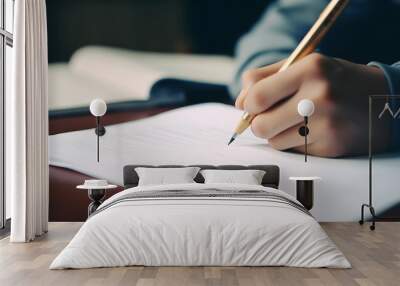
(307, 45)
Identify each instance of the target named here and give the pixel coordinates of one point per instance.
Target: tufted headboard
(271, 177)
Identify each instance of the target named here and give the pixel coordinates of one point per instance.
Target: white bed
(189, 230)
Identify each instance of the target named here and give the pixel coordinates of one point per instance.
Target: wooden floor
(375, 257)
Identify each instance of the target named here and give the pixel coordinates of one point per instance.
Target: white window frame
(6, 39)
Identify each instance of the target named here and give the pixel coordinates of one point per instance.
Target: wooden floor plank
(375, 257)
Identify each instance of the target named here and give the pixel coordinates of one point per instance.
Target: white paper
(199, 135)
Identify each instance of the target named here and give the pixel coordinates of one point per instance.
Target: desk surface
(74, 123)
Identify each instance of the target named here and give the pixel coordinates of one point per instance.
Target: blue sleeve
(285, 22)
(392, 74)
(275, 35)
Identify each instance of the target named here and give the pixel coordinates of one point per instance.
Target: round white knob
(98, 107)
(305, 107)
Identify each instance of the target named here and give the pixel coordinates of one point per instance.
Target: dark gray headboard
(271, 178)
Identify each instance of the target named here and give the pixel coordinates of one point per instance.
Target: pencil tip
(232, 139)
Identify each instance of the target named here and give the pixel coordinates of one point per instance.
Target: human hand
(339, 90)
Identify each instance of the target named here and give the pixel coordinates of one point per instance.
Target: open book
(119, 75)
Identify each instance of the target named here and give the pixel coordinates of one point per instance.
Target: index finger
(271, 90)
(252, 76)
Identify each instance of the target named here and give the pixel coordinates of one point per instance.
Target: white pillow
(164, 176)
(248, 177)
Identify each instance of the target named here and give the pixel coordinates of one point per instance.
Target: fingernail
(238, 99)
(240, 93)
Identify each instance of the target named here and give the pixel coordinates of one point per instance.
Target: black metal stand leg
(372, 211)
(361, 221)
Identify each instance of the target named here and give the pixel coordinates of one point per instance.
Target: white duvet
(200, 231)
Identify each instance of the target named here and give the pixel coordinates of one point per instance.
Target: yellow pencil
(306, 47)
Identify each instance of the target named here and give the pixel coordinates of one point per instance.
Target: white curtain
(27, 124)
